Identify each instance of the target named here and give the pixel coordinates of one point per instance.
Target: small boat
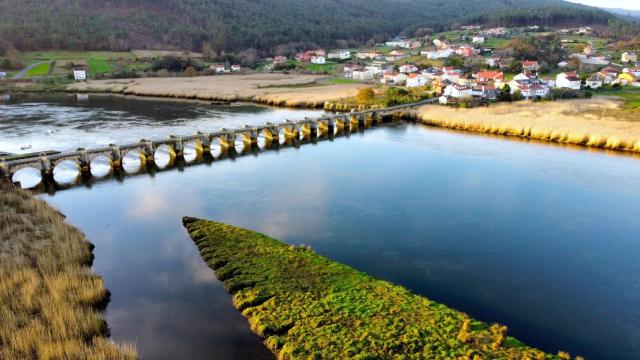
(25, 147)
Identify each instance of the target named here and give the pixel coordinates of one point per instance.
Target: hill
(232, 25)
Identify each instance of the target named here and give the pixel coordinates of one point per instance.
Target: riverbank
(270, 89)
(307, 306)
(50, 299)
(600, 122)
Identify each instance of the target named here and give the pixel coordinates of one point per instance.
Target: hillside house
(478, 40)
(635, 71)
(458, 91)
(368, 55)
(525, 76)
(531, 88)
(593, 82)
(319, 60)
(466, 51)
(395, 55)
(393, 78)
(467, 79)
(529, 65)
(415, 80)
(493, 62)
(627, 79)
(79, 73)
(629, 57)
(608, 75)
(563, 64)
(398, 43)
(485, 91)
(3, 74)
(280, 59)
(408, 68)
(486, 77)
(437, 54)
(217, 68)
(375, 69)
(339, 55)
(236, 68)
(568, 80)
(362, 73)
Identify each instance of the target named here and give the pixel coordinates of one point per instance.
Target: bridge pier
(83, 161)
(205, 141)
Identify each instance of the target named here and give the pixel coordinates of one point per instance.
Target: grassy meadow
(306, 306)
(50, 299)
(40, 69)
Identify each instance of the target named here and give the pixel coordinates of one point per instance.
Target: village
(465, 65)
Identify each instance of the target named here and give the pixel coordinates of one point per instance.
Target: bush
(365, 95)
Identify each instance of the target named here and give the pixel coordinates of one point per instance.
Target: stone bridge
(223, 141)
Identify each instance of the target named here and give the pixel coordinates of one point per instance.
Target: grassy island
(50, 299)
(306, 306)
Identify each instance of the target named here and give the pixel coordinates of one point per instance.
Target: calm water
(541, 238)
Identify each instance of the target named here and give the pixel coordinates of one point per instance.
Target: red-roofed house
(466, 51)
(529, 65)
(490, 77)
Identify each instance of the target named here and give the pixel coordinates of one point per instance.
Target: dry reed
(49, 297)
(599, 122)
(271, 89)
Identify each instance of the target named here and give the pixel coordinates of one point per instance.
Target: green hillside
(232, 25)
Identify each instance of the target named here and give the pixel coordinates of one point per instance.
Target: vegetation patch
(49, 297)
(99, 66)
(306, 306)
(40, 69)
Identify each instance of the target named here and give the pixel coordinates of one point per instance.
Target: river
(538, 237)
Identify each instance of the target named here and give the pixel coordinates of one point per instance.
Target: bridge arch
(285, 134)
(304, 131)
(66, 171)
(265, 138)
(242, 142)
(192, 151)
(28, 177)
(133, 161)
(219, 146)
(164, 156)
(100, 165)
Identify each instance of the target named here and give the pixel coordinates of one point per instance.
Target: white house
(395, 78)
(415, 80)
(395, 55)
(478, 40)
(493, 62)
(218, 68)
(362, 74)
(568, 80)
(408, 68)
(593, 82)
(398, 43)
(236, 68)
(458, 91)
(530, 88)
(635, 71)
(340, 54)
(318, 60)
(3, 74)
(79, 73)
(437, 54)
(629, 57)
(375, 69)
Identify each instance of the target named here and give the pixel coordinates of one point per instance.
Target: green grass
(40, 69)
(494, 42)
(73, 55)
(320, 67)
(306, 306)
(630, 96)
(99, 66)
(342, 81)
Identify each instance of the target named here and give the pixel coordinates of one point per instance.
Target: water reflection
(533, 236)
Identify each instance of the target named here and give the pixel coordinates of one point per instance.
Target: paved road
(24, 71)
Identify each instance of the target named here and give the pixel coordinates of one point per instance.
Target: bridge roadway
(223, 141)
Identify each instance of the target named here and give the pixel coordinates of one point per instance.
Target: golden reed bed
(272, 89)
(50, 299)
(598, 122)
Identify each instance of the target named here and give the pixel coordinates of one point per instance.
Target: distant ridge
(233, 25)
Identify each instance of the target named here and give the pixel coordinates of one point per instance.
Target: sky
(622, 4)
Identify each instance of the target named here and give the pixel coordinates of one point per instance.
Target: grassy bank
(601, 122)
(49, 297)
(309, 307)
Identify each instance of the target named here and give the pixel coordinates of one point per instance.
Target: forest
(275, 26)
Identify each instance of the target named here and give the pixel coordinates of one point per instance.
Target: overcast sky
(622, 4)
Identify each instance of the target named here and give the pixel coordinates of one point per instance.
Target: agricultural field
(630, 96)
(40, 69)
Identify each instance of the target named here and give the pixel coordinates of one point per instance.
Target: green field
(320, 67)
(306, 306)
(40, 69)
(630, 96)
(99, 66)
(74, 55)
(342, 81)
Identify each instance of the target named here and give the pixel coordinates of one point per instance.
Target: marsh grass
(306, 306)
(50, 299)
